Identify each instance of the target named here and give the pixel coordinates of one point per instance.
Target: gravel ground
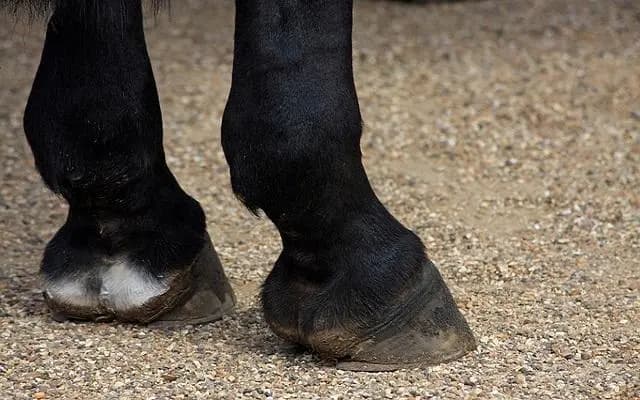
(505, 133)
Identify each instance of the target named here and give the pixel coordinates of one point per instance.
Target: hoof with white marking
(120, 289)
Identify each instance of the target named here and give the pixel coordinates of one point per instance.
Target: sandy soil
(505, 133)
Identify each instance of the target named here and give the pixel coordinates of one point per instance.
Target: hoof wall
(427, 330)
(424, 353)
(210, 299)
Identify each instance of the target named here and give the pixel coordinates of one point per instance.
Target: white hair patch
(123, 286)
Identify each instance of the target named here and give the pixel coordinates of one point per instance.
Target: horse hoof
(119, 291)
(426, 330)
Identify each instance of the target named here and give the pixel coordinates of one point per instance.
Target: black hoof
(379, 310)
(118, 291)
(425, 329)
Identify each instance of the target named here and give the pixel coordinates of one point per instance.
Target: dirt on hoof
(506, 134)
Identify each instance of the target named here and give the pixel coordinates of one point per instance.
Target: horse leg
(134, 246)
(351, 283)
